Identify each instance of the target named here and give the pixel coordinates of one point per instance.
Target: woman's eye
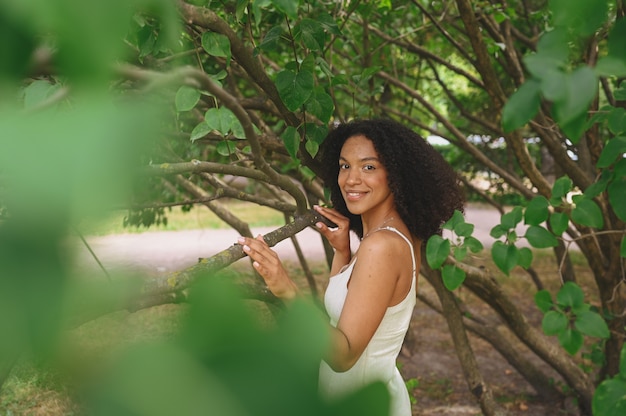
(368, 167)
(343, 166)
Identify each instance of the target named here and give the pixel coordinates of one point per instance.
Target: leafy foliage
(254, 86)
(569, 317)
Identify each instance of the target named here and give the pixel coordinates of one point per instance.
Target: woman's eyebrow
(365, 159)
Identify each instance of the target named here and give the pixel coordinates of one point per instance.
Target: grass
(33, 390)
(199, 217)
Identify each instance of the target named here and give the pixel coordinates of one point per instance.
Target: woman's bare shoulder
(382, 243)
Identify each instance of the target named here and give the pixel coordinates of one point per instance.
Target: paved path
(167, 251)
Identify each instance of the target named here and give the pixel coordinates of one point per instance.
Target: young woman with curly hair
(392, 189)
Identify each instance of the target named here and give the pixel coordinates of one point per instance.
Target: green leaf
(525, 257)
(320, 105)
(271, 39)
(588, 213)
(610, 398)
(619, 169)
(457, 218)
(613, 149)
(521, 106)
(289, 7)
(437, 251)
(226, 147)
(505, 256)
(571, 340)
(617, 197)
(585, 16)
(554, 85)
(497, 231)
(363, 78)
(186, 98)
(622, 247)
(591, 324)
(220, 119)
(560, 188)
(291, 139)
(311, 33)
(554, 45)
(38, 91)
(574, 129)
(559, 222)
(294, 88)
(452, 276)
(200, 131)
(312, 147)
(537, 211)
(545, 66)
(473, 244)
(329, 23)
(570, 295)
(464, 229)
(339, 80)
(512, 218)
(216, 44)
(459, 253)
(617, 40)
(600, 185)
(610, 66)
(554, 322)
(620, 93)
(539, 237)
(308, 64)
(543, 300)
(617, 120)
(581, 87)
(316, 132)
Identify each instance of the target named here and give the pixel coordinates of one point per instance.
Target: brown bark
(500, 340)
(476, 384)
(487, 289)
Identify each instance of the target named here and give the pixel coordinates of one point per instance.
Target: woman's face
(363, 178)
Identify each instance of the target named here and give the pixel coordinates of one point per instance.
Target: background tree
(252, 87)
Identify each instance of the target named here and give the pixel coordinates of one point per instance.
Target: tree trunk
(454, 318)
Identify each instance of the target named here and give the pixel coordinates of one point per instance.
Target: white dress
(378, 361)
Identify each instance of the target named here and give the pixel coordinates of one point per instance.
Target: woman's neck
(378, 220)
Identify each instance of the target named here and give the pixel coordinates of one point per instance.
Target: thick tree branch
(181, 280)
(487, 289)
(483, 61)
(542, 383)
(477, 386)
(208, 19)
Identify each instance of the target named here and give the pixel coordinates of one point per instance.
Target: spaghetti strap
(395, 230)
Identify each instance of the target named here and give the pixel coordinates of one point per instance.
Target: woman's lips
(353, 195)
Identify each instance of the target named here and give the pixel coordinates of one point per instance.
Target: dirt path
(167, 251)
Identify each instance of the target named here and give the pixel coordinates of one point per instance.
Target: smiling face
(363, 178)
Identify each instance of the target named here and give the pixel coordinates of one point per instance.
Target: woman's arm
(371, 289)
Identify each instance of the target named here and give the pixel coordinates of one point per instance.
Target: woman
(392, 189)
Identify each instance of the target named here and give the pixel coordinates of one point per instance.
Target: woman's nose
(353, 176)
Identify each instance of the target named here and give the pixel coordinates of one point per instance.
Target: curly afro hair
(424, 185)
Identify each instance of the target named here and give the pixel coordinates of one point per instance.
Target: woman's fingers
(331, 214)
(256, 248)
(268, 265)
(265, 259)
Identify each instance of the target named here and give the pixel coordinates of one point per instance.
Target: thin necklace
(378, 228)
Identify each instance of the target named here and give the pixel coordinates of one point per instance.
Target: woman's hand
(269, 266)
(338, 237)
